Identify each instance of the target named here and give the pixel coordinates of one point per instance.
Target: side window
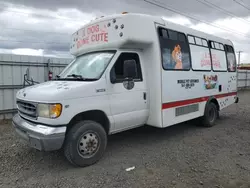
(231, 59)
(198, 41)
(219, 60)
(191, 40)
(117, 72)
(201, 60)
(204, 43)
(175, 50)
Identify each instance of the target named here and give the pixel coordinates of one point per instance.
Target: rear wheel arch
(213, 100)
(211, 112)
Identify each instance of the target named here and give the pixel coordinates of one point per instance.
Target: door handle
(144, 95)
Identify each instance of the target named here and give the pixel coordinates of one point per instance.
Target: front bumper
(40, 137)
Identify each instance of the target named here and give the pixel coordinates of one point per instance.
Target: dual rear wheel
(211, 114)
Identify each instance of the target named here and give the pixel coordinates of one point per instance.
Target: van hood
(53, 91)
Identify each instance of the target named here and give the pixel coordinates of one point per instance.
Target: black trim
(214, 45)
(186, 40)
(194, 36)
(140, 69)
(39, 123)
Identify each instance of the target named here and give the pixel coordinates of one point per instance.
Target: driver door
(128, 99)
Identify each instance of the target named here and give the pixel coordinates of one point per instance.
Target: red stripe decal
(192, 101)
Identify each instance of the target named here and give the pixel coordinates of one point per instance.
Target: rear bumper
(37, 136)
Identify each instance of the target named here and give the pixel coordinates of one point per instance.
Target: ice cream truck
(129, 70)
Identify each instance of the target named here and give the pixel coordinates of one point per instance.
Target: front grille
(27, 108)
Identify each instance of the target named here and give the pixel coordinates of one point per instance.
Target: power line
(194, 18)
(212, 5)
(40, 15)
(242, 4)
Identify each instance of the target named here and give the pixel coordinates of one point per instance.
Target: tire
(211, 114)
(85, 133)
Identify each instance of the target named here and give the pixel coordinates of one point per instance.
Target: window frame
(210, 47)
(200, 70)
(225, 47)
(139, 69)
(159, 28)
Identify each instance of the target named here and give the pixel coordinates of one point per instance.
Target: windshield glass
(88, 66)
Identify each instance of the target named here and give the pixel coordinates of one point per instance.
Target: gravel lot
(180, 156)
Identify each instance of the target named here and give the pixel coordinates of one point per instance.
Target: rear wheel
(211, 114)
(85, 143)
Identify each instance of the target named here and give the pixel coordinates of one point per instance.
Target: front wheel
(211, 114)
(85, 143)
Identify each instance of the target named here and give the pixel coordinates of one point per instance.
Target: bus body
(129, 70)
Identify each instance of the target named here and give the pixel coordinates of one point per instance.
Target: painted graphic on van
(210, 81)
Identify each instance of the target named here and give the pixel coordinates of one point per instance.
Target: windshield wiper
(75, 76)
(81, 78)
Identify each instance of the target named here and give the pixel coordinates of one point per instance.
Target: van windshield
(88, 66)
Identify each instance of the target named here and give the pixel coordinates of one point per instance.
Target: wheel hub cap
(88, 144)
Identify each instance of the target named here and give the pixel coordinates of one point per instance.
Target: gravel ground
(180, 156)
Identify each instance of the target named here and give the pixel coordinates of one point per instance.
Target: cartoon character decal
(177, 56)
(210, 82)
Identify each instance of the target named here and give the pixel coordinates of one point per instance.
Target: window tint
(164, 33)
(182, 37)
(117, 72)
(231, 59)
(175, 51)
(172, 35)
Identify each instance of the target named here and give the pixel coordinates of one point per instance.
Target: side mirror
(130, 69)
(28, 73)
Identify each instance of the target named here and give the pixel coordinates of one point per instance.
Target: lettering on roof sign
(93, 34)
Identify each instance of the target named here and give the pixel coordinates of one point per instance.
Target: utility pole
(239, 52)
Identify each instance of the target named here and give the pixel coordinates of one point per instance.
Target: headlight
(49, 110)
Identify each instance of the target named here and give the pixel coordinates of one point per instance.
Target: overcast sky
(43, 27)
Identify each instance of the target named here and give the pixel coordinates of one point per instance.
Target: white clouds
(44, 20)
(47, 31)
(179, 20)
(27, 51)
(39, 29)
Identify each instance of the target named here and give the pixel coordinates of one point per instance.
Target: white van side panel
(184, 93)
(175, 97)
